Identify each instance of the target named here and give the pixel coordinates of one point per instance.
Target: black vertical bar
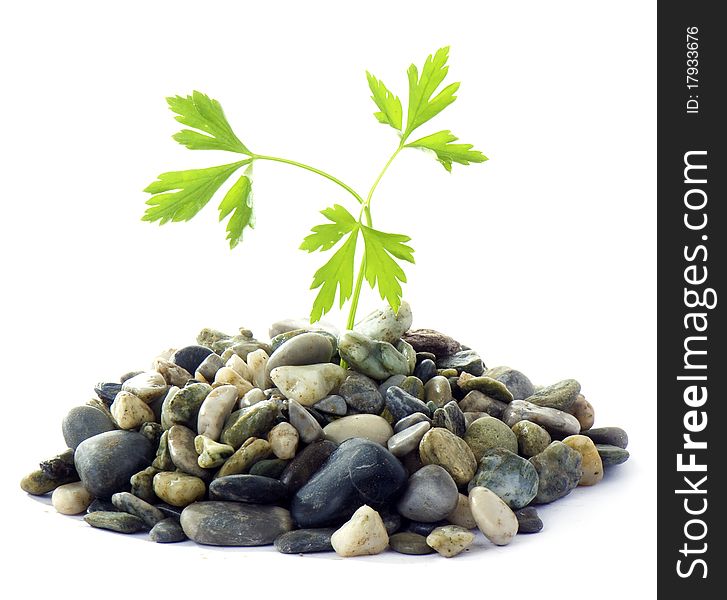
(691, 272)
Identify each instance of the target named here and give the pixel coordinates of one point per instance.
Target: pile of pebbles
(238, 442)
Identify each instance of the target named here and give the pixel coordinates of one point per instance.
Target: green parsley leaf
(239, 200)
(337, 273)
(447, 152)
(179, 195)
(422, 107)
(201, 112)
(325, 236)
(381, 268)
(390, 111)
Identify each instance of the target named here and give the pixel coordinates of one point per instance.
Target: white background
(543, 258)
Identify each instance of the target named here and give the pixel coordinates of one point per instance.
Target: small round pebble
(71, 498)
(407, 542)
(532, 439)
(450, 540)
(528, 520)
(178, 489)
(488, 432)
(305, 541)
(167, 531)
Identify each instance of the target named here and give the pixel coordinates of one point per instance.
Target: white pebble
(494, 518)
(216, 407)
(257, 361)
(450, 540)
(235, 362)
(146, 386)
(371, 427)
(130, 412)
(283, 439)
(362, 535)
(71, 498)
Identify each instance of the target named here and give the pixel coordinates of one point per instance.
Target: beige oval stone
(228, 376)
(591, 463)
(71, 498)
(130, 412)
(462, 515)
(441, 447)
(494, 518)
(177, 488)
(363, 534)
(450, 540)
(583, 411)
(283, 439)
(371, 427)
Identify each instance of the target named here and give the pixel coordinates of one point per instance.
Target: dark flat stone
(234, 523)
(408, 542)
(120, 522)
(305, 541)
(253, 489)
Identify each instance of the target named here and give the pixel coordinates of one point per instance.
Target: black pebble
(190, 357)
(425, 370)
(305, 541)
(528, 520)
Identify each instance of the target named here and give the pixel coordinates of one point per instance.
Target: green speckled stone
(488, 432)
(142, 484)
(255, 421)
(252, 451)
(441, 447)
(120, 522)
(487, 385)
(370, 357)
(414, 386)
(532, 439)
(513, 478)
(559, 472)
(561, 395)
(163, 459)
(182, 408)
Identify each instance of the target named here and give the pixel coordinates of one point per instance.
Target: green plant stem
(300, 165)
(366, 213)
